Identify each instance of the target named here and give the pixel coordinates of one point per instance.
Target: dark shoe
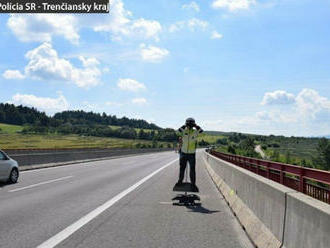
(178, 184)
(194, 188)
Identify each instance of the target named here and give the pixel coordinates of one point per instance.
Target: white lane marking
(38, 184)
(64, 234)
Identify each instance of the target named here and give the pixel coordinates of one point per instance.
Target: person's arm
(181, 129)
(199, 129)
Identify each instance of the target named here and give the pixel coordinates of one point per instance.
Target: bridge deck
(143, 218)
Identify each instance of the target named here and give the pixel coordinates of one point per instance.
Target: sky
(252, 66)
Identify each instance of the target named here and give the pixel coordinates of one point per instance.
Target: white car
(9, 171)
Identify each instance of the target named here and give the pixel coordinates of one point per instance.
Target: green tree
(275, 156)
(287, 157)
(323, 158)
(231, 149)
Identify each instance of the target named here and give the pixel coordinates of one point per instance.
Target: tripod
(186, 199)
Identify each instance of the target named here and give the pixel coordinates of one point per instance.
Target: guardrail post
(282, 175)
(257, 164)
(267, 170)
(302, 181)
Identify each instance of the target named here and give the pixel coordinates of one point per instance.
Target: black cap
(190, 121)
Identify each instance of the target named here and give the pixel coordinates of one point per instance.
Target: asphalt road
(124, 202)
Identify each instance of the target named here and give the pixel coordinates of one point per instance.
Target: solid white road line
(38, 184)
(64, 234)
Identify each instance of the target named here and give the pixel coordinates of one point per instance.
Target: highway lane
(48, 201)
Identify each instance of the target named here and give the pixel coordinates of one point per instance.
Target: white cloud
(192, 5)
(309, 103)
(197, 23)
(233, 5)
(89, 62)
(215, 35)
(192, 24)
(152, 53)
(146, 28)
(275, 116)
(119, 23)
(177, 26)
(139, 101)
(306, 106)
(130, 85)
(13, 74)
(114, 104)
(45, 64)
(49, 105)
(42, 27)
(278, 97)
(308, 115)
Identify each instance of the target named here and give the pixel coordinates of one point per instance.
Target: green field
(303, 149)
(136, 129)
(55, 141)
(210, 138)
(9, 129)
(11, 138)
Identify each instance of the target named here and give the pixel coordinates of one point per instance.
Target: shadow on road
(3, 185)
(201, 209)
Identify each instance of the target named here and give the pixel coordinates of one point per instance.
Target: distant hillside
(20, 115)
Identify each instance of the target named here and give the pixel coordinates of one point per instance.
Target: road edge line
(68, 231)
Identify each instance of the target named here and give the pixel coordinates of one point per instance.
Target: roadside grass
(56, 141)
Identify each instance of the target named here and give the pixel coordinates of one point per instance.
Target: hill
(20, 115)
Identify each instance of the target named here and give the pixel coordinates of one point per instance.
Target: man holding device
(188, 134)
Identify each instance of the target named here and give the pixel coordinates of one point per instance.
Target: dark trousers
(191, 158)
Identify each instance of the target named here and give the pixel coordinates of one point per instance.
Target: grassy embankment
(11, 138)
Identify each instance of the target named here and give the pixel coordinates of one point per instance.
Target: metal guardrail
(315, 183)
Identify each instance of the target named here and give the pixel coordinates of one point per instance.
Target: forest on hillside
(82, 123)
(20, 115)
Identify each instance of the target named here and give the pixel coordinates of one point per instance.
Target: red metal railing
(315, 183)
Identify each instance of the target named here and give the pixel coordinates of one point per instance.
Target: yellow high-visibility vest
(189, 140)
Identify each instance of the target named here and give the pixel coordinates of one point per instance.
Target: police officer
(188, 134)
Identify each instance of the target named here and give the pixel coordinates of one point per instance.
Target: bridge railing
(313, 182)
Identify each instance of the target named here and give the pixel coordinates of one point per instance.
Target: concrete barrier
(36, 157)
(272, 214)
(307, 222)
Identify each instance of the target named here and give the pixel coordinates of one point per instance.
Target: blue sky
(234, 65)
